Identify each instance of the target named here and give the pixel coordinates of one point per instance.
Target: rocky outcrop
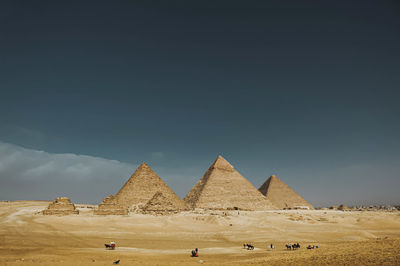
(61, 206)
(110, 206)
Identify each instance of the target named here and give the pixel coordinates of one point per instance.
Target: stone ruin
(160, 204)
(110, 206)
(61, 206)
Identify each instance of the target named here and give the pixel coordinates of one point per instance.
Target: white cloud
(32, 174)
(27, 174)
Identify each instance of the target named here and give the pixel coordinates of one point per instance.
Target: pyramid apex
(143, 165)
(273, 177)
(221, 163)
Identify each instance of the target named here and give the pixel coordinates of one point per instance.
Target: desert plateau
(27, 237)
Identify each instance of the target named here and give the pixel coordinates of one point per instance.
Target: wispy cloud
(158, 155)
(27, 174)
(33, 174)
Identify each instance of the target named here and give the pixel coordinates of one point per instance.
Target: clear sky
(306, 90)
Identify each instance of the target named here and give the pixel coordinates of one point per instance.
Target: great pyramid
(61, 206)
(110, 206)
(281, 195)
(142, 186)
(161, 204)
(222, 187)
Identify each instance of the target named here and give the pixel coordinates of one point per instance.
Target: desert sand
(344, 237)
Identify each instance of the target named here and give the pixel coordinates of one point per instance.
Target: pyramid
(222, 187)
(161, 204)
(142, 186)
(281, 195)
(110, 206)
(61, 206)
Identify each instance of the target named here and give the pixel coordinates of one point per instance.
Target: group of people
(271, 246)
(293, 246)
(248, 246)
(195, 252)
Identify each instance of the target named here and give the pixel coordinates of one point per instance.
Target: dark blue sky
(308, 91)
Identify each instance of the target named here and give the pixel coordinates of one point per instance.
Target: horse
(295, 246)
(249, 246)
(288, 246)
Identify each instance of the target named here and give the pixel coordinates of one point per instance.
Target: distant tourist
(195, 252)
(110, 246)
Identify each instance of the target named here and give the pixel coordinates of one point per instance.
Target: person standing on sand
(194, 253)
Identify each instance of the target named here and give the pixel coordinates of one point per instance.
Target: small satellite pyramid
(161, 204)
(222, 187)
(142, 186)
(61, 206)
(109, 206)
(281, 195)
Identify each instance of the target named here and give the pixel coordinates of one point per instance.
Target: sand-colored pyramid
(142, 186)
(110, 206)
(160, 204)
(281, 195)
(61, 206)
(222, 187)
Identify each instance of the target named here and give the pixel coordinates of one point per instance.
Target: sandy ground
(344, 238)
